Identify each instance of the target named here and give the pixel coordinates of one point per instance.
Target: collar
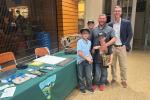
(86, 41)
(117, 22)
(102, 27)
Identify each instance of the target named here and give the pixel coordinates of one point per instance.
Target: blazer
(125, 33)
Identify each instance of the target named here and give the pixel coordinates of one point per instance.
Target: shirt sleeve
(96, 43)
(79, 46)
(112, 33)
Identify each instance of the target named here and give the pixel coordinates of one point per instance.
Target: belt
(118, 45)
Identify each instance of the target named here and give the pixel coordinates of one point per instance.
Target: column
(93, 8)
(133, 18)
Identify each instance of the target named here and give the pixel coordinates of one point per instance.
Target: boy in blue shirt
(84, 62)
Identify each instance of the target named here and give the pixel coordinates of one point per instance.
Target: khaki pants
(120, 54)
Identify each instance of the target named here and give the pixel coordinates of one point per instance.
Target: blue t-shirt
(84, 46)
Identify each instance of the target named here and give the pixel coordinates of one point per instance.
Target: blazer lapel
(121, 26)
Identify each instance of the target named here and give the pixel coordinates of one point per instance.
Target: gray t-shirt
(109, 34)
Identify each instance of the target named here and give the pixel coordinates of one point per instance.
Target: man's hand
(128, 48)
(111, 41)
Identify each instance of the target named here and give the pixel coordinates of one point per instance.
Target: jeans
(84, 70)
(100, 74)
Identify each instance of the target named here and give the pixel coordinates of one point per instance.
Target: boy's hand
(89, 59)
(103, 48)
(96, 47)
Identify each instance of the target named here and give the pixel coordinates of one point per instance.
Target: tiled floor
(138, 82)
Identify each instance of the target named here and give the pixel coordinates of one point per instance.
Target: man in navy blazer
(123, 33)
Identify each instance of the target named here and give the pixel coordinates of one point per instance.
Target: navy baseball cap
(101, 34)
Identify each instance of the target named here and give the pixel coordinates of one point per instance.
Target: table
(66, 81)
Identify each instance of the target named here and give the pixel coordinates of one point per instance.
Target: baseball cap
(101, 34)
(84, 29)
(90, 21)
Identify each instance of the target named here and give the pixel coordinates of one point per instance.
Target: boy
(105, 59)
(84, 62)
(90, 25)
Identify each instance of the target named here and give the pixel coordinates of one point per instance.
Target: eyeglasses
(117, 11)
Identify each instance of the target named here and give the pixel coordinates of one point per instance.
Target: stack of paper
(50, 59)
(8, 92)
